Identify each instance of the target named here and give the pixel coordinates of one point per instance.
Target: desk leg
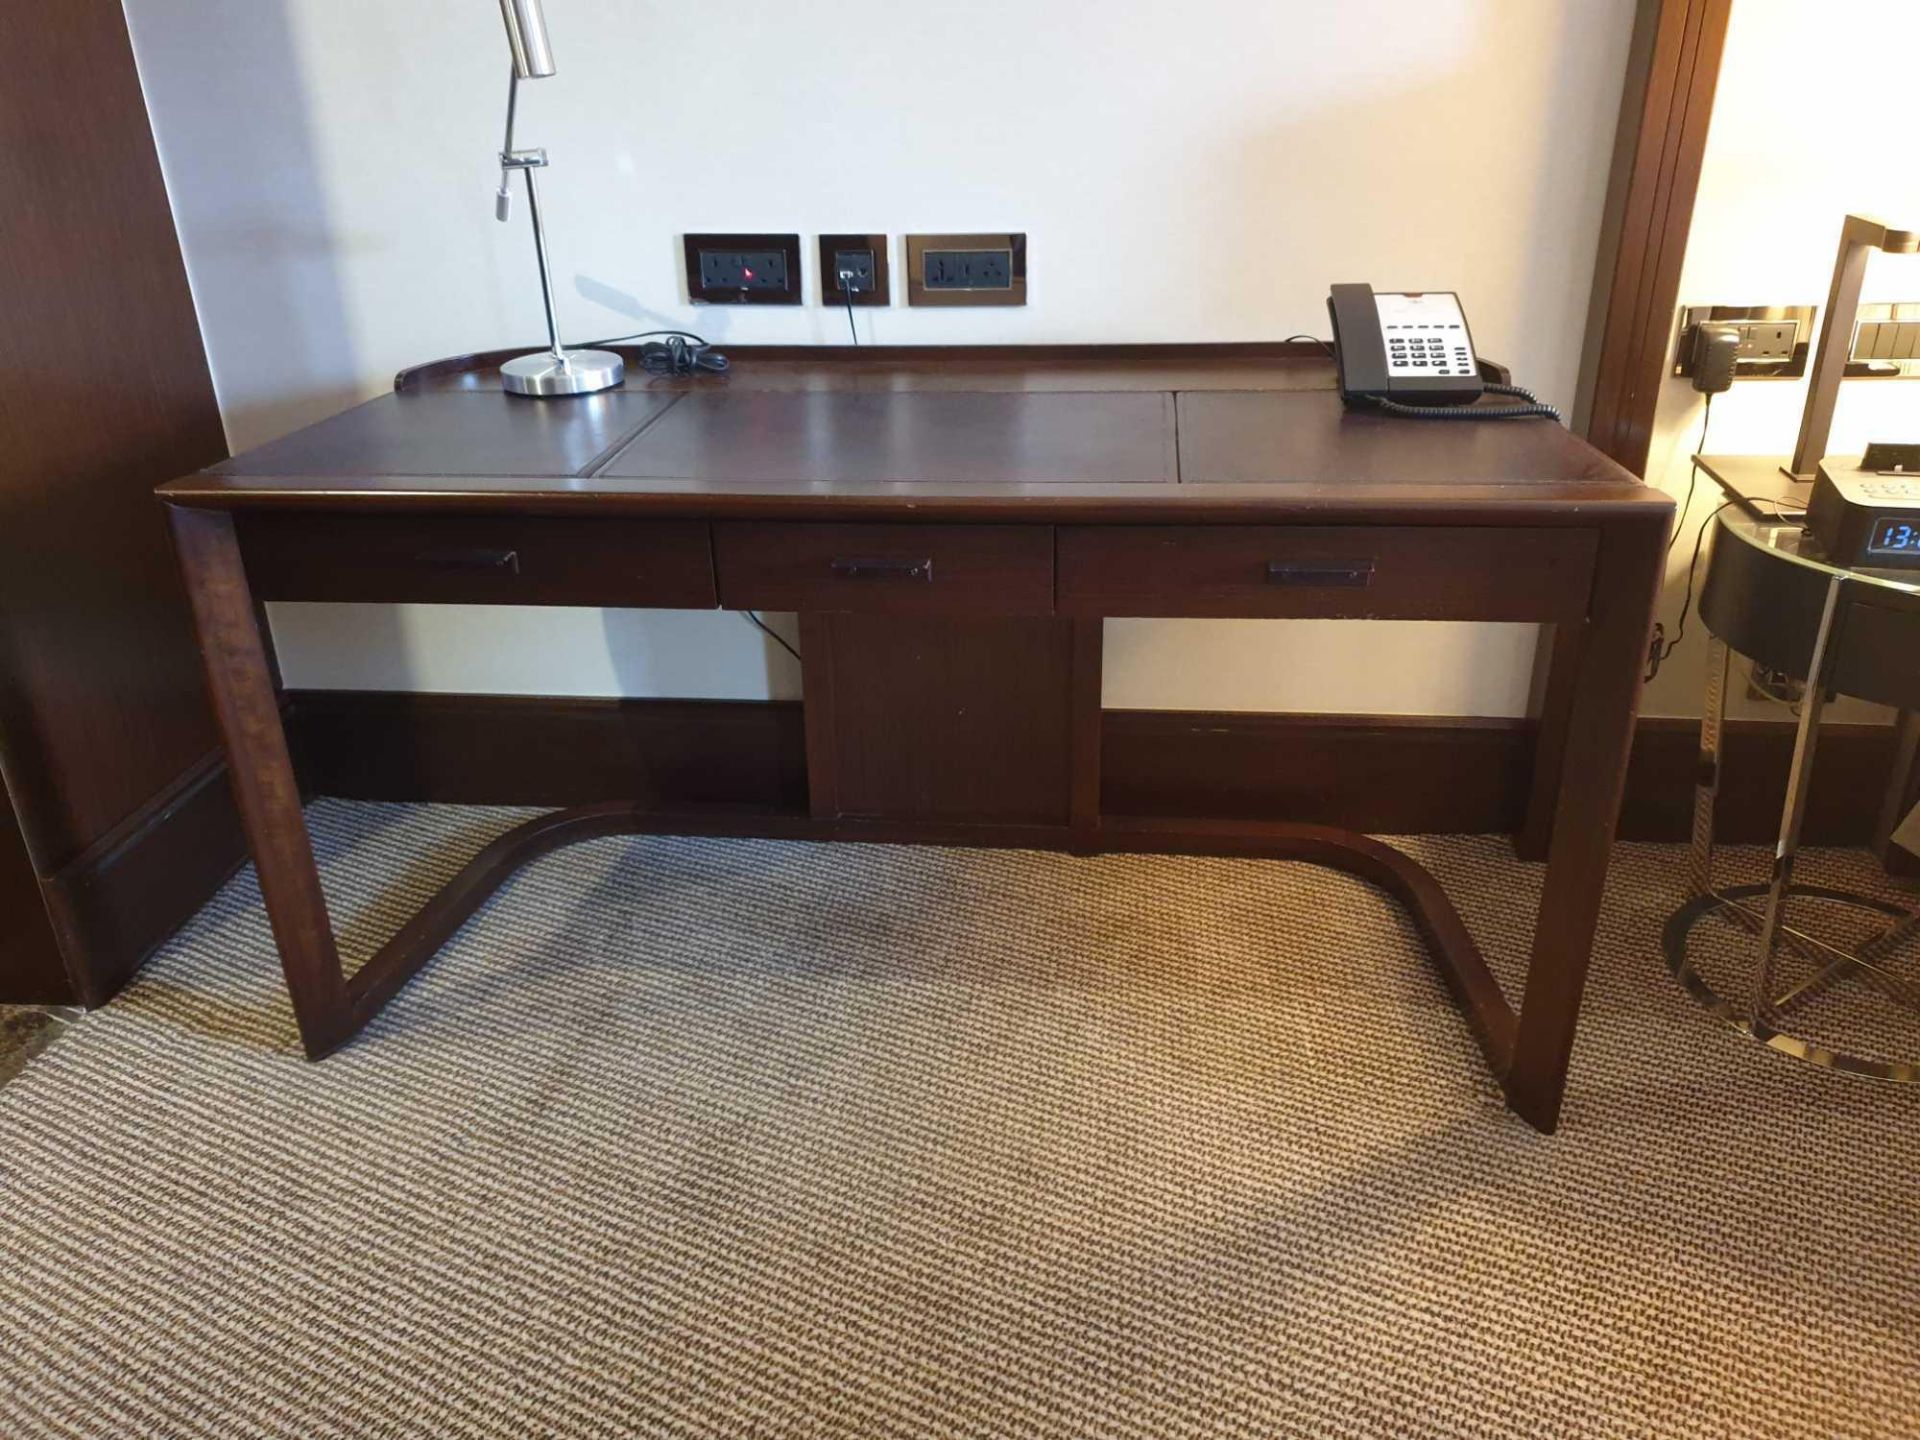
(1085, 717)
(240, 680)
(1550, 747)
(1604, 698)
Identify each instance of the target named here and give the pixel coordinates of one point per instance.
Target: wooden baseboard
(32, 971)
(1851, 775)
(1385, 775)
(125, 894)
(1393, 776)
(511, 750)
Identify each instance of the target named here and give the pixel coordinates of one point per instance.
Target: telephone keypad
(1424, 350)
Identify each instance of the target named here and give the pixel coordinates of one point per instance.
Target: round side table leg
(1799, 782)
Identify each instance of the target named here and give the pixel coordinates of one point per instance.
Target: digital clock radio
(1866, 513)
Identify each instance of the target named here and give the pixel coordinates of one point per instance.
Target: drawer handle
(507, 560)
(1348, 574)
(848, 569)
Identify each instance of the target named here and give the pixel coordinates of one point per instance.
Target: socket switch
(1767, 341)
(967, 269)
(743, 269)
(863, 260)
(1886, 341)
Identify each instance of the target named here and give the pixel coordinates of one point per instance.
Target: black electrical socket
(987, 269)
(864, 259)
(743, 269)
(853, 270)
(967, 269)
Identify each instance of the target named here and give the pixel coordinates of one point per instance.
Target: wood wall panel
(1666, 105)
(29, 955)
(106, 394)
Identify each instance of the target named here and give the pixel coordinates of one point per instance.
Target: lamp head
(1878, 235)
(527, 38)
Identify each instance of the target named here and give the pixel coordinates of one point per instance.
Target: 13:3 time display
(1896, 535)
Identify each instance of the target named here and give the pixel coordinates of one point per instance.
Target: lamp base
(572, 372)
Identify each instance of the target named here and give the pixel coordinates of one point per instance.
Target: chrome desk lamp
(555, 370)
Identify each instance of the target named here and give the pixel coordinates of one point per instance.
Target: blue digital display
(1896, 535)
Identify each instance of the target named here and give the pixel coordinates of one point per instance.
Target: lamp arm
(554, 346)
(527, 38)
(503, 198)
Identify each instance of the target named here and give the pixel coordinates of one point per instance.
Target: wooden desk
(953, 527)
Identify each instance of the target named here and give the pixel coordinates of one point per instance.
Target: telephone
(1412, 354)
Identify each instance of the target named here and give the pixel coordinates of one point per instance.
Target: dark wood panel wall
(27, 946)
(106, 393)
(1673, 69)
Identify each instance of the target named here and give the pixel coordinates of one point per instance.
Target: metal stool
(1851, 632)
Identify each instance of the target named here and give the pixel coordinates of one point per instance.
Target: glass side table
(1772, 596)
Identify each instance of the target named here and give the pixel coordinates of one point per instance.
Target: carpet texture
(698, 1138)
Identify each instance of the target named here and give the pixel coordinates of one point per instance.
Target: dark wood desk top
(1172, 433)
(469, 434)
(940, 439)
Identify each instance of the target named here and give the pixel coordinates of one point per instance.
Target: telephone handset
(1412, 354)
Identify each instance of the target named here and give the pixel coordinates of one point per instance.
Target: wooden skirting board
(131, 889)
(75, 936)
(30, 962)
(1384, 775)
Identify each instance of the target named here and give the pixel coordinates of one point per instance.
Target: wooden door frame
(1673, 68)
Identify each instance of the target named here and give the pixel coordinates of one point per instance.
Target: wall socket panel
(1886, 342)
(1774, 339)
(967, 269)
(743, 269)
(864, 257)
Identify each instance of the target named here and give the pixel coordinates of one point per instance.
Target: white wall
(1782, 167)
(1185, 172)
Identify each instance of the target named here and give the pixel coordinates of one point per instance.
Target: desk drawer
(1328, 572)
(891, 569)
(478, 560)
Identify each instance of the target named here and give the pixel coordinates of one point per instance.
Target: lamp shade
(527, 38)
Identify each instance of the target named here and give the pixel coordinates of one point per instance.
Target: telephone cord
(1534, 408)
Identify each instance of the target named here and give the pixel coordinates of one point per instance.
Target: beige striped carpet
(691, 1138)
